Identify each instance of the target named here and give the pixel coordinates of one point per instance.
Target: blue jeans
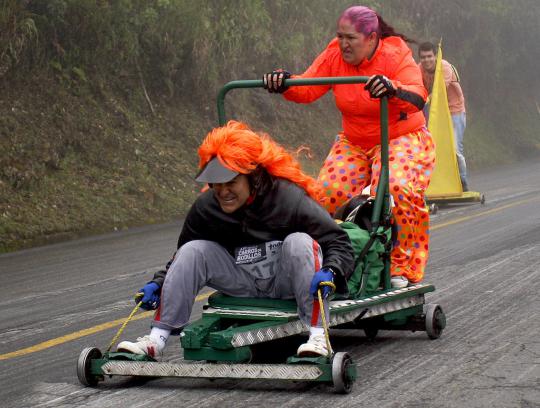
(459, 121)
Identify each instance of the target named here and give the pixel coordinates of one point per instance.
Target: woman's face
(355, 46)
(232, 195)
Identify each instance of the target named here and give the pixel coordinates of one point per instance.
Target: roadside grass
(78, 160)
(81, 158)
(487, 143)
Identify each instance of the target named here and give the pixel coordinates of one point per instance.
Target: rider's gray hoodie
(280, 208)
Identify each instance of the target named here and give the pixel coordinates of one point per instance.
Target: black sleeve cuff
(411, 97)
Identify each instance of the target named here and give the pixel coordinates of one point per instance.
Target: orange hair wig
(241, 149)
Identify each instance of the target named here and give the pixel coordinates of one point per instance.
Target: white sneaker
(315, 346)
(399, 282)
(144, 345)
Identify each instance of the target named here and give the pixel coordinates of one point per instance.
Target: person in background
(456, 101)
(258, 231)
(365, 45)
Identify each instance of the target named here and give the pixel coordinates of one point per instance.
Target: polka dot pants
(348, 169)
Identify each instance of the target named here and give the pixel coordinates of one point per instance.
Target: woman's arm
(321, 67)
(410, 93)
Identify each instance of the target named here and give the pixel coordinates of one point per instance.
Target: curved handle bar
(258, 83)
(381, 200)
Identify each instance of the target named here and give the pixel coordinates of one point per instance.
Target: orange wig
(241, 149)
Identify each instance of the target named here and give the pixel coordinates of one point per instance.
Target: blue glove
(323, 275)
(150, 296)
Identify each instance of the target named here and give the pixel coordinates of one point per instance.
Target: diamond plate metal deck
(304, 372)
(383, 308)
(269, 333)
(342, 311)
(250, 313)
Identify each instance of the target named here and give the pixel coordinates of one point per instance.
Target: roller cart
(223, 343)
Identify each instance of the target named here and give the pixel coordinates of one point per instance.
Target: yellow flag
(445, 181)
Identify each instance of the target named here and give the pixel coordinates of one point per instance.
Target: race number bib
(259, 260)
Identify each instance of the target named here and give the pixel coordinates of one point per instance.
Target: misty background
(104, 102)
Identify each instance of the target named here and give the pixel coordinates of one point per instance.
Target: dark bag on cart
(368, 251)
(366, 277)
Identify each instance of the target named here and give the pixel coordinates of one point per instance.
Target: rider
(257, 232)
(365, 45)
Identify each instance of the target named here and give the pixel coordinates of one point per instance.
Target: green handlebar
(258, 83)
(382, 201)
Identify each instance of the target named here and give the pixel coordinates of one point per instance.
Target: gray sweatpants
(205, 263)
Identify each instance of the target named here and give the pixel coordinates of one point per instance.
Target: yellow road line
(81, 333)
(487, 212)
(104, 326)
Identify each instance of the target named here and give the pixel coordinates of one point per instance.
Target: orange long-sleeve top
(360, 112)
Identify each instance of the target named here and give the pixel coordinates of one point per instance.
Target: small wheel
(435, 321)
(371, 332)
(84, 366)
(482, 199)
(341, 375)
(433, 208)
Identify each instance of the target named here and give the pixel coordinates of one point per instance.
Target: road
(484, 261)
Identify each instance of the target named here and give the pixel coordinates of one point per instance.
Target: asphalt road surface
(57, 299)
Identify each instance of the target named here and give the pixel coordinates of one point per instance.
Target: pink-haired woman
(365, 45)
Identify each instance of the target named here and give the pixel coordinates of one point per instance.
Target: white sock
(160, 336)
(316, 331)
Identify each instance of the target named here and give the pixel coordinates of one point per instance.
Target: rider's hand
(274, 81)
(323, 275)
(149, 295)
(379, 86)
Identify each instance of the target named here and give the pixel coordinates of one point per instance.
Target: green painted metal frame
(219, 300)
(96, 364)
(216, 332)
(381, 208)
(209, 338)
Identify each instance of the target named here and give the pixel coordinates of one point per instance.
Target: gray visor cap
(215, 172)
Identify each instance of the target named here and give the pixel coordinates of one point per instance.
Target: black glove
(379, 86)
(274, 81)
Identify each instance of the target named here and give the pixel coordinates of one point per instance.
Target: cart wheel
(482, 199)
(84, 366)
(433, 208)
(435, 321)
(341, 377)
(371, 332)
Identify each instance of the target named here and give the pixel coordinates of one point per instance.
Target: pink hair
(364, 19)
(367, 21)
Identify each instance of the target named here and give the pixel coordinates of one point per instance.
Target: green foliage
(18, 34)
(182, 46)
(104, 102)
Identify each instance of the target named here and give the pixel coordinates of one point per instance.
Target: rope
(323, 315)
(124, 324)
(321, 307)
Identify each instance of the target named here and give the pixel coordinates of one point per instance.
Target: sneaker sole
(311, 352)
(129, 348)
